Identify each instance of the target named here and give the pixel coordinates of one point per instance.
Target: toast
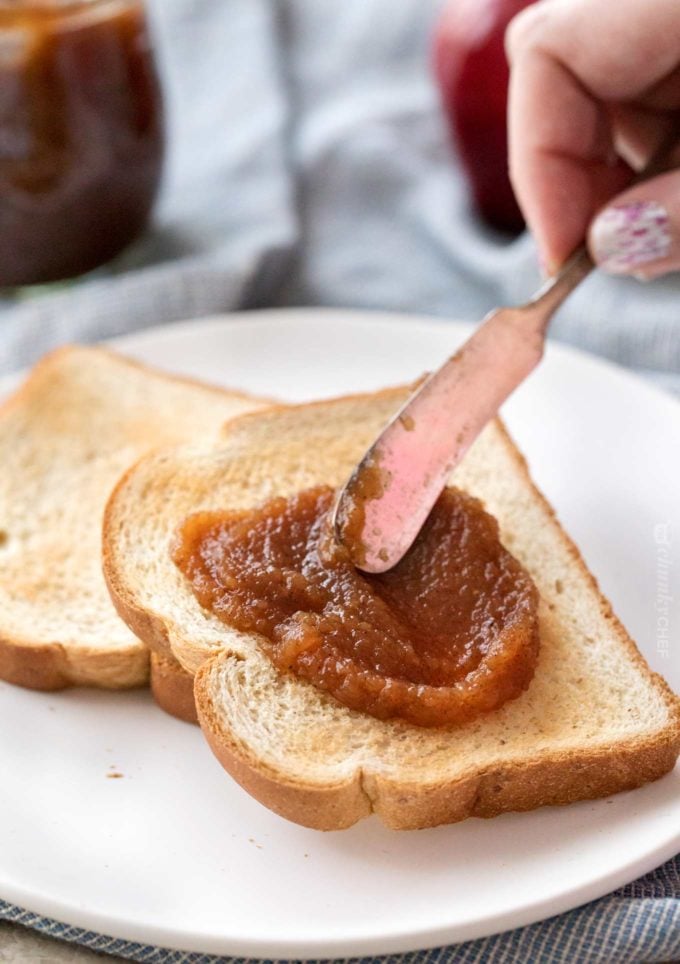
(595, 720)
(82, 416)
(172, 688)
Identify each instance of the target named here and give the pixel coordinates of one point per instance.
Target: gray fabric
(309, 164)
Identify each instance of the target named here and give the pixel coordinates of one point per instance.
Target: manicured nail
(629, 235)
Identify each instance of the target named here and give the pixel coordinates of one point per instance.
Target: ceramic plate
(174, 853)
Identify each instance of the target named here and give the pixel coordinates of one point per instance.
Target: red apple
(472, 73)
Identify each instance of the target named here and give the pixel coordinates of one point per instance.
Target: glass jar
(81, 135)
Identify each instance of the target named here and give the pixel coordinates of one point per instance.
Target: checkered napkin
(308, 165)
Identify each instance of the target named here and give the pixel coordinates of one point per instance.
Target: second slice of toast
(594, 720)
(82, 416)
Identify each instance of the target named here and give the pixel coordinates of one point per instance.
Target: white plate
(176, 854)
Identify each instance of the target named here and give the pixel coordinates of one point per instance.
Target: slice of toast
(595, 719)
(82, 416)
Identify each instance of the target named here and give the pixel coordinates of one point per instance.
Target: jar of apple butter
(81, 135)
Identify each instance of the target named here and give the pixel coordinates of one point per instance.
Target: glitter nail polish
(629, 235)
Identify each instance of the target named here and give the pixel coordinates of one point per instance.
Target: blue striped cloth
(308, 164)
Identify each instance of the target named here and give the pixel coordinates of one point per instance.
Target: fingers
(571, 60)
(638, 232)
(638, 132)
(563, 166)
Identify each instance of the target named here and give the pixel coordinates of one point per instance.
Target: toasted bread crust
(330, 807)
(173, 688)
(551, 779)
(33, 667)
(561, 779)
(145, 625)
(51, 666)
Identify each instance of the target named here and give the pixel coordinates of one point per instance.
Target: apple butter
(81, 135)
(447, 634)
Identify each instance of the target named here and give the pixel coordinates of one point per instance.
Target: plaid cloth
(308, 164)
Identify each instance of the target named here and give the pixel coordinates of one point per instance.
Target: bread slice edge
(548, 778)
(172, 688)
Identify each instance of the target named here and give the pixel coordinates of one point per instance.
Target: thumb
(638, 232)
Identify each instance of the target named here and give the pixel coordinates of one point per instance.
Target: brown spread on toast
(363, 487)
(449, 633)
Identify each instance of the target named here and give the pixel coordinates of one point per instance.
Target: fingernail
(546, 267)
(629, 235)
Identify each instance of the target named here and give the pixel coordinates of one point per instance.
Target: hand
(594, 90)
